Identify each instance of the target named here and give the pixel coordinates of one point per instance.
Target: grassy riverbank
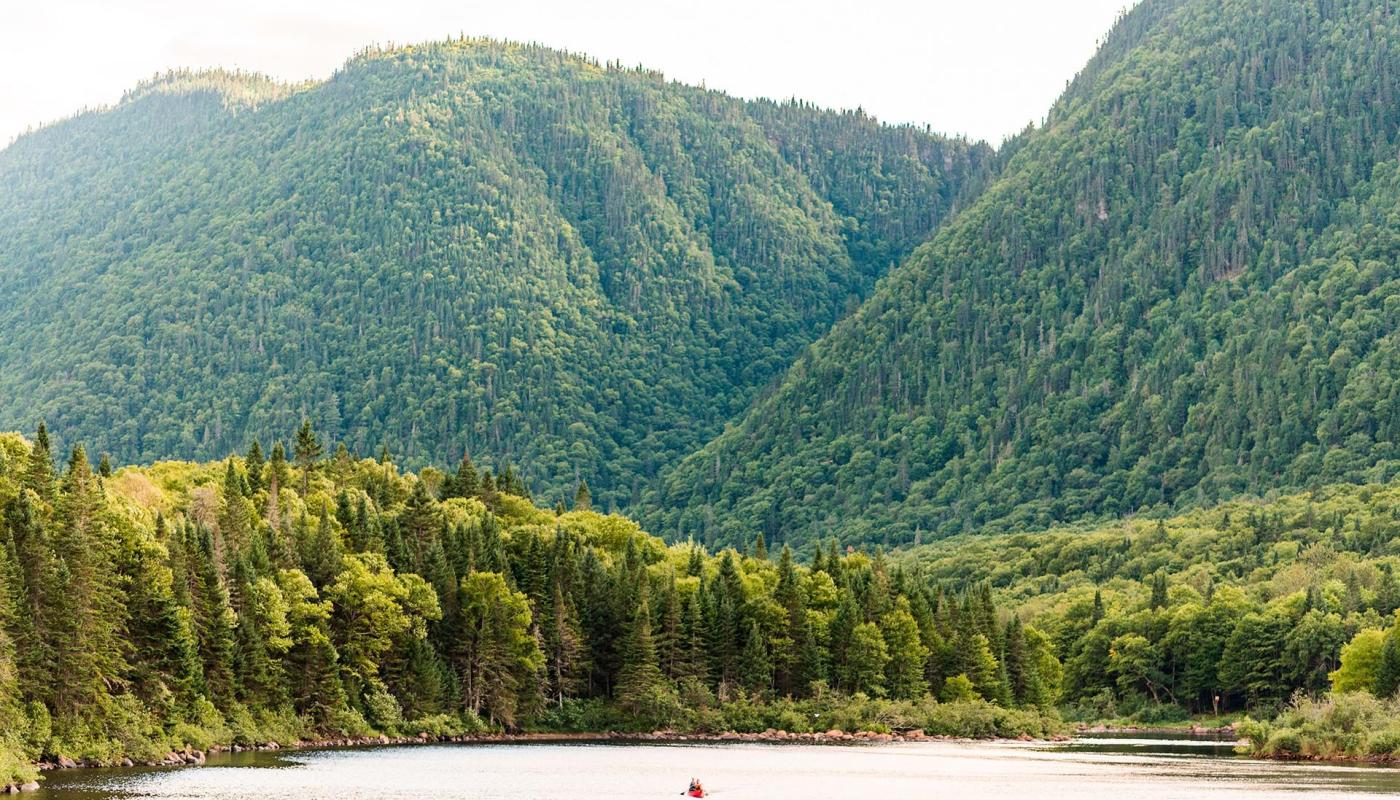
(1199, 723)
(973, 718)
(810, 718)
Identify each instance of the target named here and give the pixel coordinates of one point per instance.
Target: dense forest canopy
(1175, 291)
(1183, 287)
(289, 593)
(463, 246)
(924, 435)
(1238, 605)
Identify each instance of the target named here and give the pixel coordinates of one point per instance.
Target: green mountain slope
(463, 245)
(1182, 287)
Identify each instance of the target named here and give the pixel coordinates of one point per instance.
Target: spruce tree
(1020, 671)
(307, 452)
(1388, 670)
(253, 464)
(277, 478)
(90, 605)
(984, 669)
(565, 655)
(466, 483)
(693, 662)
(866, 659)
(840, 635)
(904, 673)
(38, 473)
(669, 635)
(1159, 591)
(755, 662)
(790, 648)
(639, 677)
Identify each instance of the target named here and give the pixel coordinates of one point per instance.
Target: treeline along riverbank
(289, 595)
(286, 595)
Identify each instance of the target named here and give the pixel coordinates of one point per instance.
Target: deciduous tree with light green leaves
(499, 659)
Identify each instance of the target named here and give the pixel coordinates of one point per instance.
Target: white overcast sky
(983, 68)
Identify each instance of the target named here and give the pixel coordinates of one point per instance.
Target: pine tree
(755, 663)
(867, 657)
(213, 615)
(307, 452)
(983, 668)
(791, 651)
(1387, 591)
(1159, 591)
(163, 649)
(760, 547)
(1021, 677)
(322, 553)
(253, 464)
(583, 499)
(565, 655)
(693, 662)
(235, 513)
(420, 521)
(277, 478)
(722, 632)
(639, 677)
(1388, 670)
(33, 588)
(38, 473)
(90, 606)
(840, 634)
(904, 672)
(466, 483)
(669, 635)
(11, 705)
(342, 464)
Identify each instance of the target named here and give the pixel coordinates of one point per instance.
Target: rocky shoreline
(1193, 730)
(192, 757)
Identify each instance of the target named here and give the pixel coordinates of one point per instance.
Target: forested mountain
(1183, 286)
(461, 246)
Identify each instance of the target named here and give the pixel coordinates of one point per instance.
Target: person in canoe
(695, 790)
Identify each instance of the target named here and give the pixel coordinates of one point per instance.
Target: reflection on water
(1150, 768)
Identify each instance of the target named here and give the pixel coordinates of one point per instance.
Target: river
(1116, 768)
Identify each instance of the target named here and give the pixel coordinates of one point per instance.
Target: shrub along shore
(871, 721)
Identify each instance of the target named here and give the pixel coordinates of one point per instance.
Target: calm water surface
(1120, 768)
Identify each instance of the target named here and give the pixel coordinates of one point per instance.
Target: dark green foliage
(755, 662)
(457, 246)
(639, 678)
(182, 597)
(1239, 606)
(1181, 288)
